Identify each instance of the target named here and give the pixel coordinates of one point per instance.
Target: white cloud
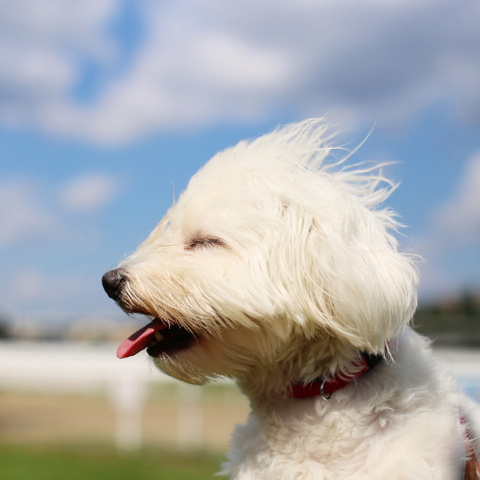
(450, 244)
(210, 61)
(22, 213)
(459, 217)
(43, 44)
(32, 211)
(88, 192)
(29, 284)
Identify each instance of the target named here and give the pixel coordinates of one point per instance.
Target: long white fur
(281, 258)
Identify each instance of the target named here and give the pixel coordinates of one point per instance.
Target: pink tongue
(140, 339)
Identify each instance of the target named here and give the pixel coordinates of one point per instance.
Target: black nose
(113, 282)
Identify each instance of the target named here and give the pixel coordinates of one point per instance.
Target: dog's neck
(327, 387)
(264, 387)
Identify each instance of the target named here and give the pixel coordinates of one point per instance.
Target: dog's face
(268, 267)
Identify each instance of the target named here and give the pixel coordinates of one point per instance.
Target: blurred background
(105, 103)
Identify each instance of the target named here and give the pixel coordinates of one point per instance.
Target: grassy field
(37, 463)
(47, 436)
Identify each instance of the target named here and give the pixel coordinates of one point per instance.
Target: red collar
(326, 388)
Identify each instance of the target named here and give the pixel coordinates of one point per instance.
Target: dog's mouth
(157, 337)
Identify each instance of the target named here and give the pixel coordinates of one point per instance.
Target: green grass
(36, 463)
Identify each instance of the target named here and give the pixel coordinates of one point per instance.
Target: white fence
(69, 367)
(89, 368)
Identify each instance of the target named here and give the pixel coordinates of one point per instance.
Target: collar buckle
(322, 391)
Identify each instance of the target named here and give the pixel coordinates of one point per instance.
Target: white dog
(278, 268)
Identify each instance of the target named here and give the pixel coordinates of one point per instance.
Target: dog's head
(275, 264)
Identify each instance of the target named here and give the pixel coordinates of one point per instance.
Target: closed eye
(204, 243)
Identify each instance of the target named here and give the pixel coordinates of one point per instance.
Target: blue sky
(105, 103)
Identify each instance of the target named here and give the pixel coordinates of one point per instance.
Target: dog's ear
(363, 288)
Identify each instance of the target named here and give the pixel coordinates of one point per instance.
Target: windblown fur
(282, 261)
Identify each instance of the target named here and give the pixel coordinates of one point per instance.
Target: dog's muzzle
(161, 335)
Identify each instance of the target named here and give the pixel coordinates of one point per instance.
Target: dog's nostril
(112, 283)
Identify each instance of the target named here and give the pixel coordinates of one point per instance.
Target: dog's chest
(342, 445)
(304, 443)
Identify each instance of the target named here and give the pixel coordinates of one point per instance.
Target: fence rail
(69, 367)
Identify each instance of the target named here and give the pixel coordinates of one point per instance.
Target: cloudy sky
(105, 103)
